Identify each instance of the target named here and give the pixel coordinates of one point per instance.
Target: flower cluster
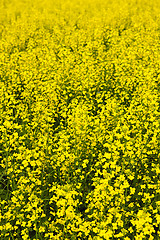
(79, 120)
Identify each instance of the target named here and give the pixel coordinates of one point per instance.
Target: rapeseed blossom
(79, 120)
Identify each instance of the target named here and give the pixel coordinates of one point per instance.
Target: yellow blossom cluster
(79, 120)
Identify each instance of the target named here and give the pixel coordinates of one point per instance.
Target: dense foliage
(79, 119)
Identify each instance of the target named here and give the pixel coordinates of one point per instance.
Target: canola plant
(79, 120)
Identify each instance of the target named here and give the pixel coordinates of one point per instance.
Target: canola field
(79, 120)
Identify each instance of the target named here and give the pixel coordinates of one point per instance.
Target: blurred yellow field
(79, 120)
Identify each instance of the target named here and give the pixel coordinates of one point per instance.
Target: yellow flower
(25, 163)
(41, 229)
(107, 155)
(158, 218)
(7, 124)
